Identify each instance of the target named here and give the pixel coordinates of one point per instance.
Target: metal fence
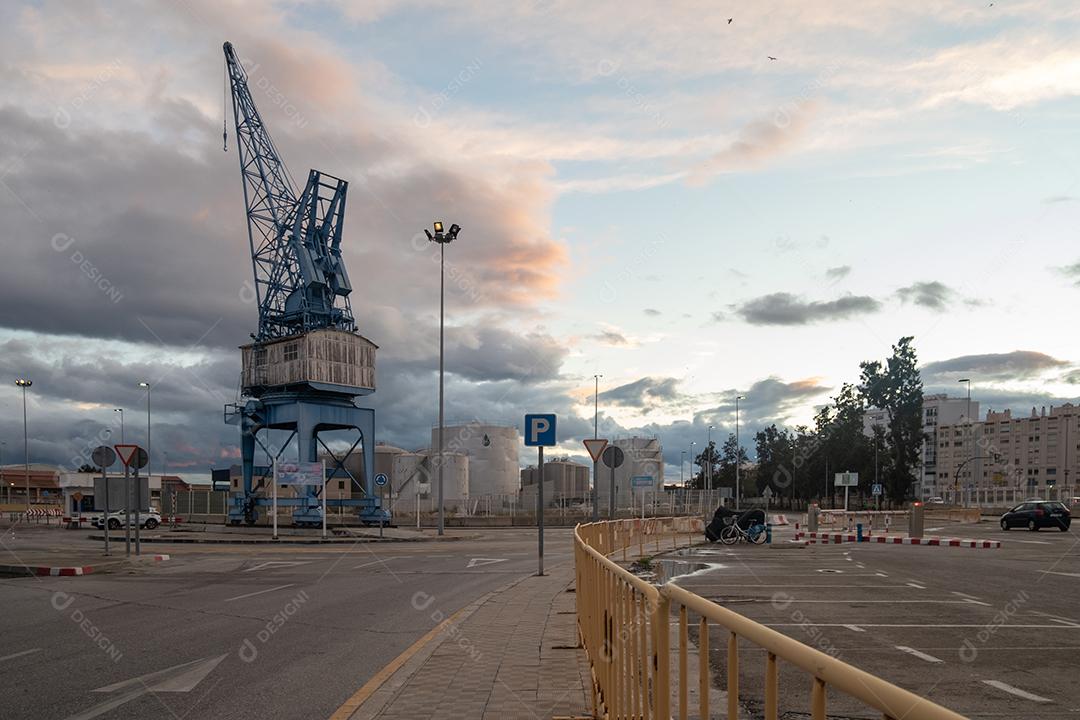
(624, 623)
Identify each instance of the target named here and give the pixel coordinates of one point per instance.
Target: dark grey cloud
(642, 393)
(1015, 365)
(934, 295)
(1071, 271)
(838, 273)
(611, 337)
(786, 309)
(652, 312)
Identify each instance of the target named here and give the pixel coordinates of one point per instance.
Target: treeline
(798, 464)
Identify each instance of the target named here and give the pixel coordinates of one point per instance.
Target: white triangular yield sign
(126, 452)
(595, 446)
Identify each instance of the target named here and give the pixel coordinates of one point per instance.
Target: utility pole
(121, 411)
(596, 463)
(738, 453)
(970, 444)
(24, 383)
(709, 450)
(149, 457)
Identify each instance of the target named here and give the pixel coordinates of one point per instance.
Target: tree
(896, 388)
(775, 460)
(707, 456)
(730, 453)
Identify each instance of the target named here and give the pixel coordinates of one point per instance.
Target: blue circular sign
(381, 479)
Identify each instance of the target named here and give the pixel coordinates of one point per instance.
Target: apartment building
(1035, 455)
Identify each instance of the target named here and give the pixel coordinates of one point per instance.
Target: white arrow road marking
(920, 655)
(178, 678)
(1016, 691)
(259, 592)
(19, 654)
(477, 562)
(276, 563)
(1051, 572)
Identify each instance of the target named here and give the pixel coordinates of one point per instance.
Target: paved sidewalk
(511, 655)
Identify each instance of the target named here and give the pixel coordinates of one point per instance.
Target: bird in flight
(729, 20)
(770, 57)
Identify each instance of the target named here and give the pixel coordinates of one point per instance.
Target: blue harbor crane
(307, 363)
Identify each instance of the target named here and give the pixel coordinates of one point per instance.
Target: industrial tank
(384, 461)
(408, 472)
(492, 450)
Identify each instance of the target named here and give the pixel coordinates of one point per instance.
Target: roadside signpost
(132, 456)
(595, 446)
(104, 457)
(846, 480)
(877, 491)
(767, 493)
(613, 457)
(381, 480)
(644, 482)
(540, 433)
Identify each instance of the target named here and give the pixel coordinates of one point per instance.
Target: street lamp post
(682, 460)
(24, 384)
(149, 465)
(121, 411)
(7, 490)
(443, 239)
(967, 419)
(596, 463)
(738, 484)
(708, 468)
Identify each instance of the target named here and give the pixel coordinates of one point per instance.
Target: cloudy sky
(644, 193)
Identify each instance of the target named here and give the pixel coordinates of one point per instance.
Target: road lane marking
(20, 654)
(881, 574)
(479, 561)
(179, 678)
(1051, 572)
(1066, 623)
(916, 585)
(1031, 542)
(259, 592)
(376, 562)
(976, 602)
(920, 655)
(368, 689)
(965, 595)
(934, 529)
(1016, 691)
(854, 628)
(277, 563)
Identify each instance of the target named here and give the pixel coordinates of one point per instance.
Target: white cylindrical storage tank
(384, 461)
(408, 472)
(455, 477)
(493, 455)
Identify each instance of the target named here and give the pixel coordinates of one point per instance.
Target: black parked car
(1037, 514)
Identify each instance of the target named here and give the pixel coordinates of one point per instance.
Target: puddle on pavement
(686, 563)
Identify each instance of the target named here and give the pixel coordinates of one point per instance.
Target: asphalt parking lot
(985, 632)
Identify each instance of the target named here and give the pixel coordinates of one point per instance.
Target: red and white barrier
(822, 538)
(779, 520)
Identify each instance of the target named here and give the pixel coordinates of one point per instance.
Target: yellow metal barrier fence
(625, 628)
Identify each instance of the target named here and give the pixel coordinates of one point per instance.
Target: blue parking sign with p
(540, 430)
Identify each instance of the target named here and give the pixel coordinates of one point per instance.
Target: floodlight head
(430, 237)
(454, 230)
(21, 382)
(438, 226)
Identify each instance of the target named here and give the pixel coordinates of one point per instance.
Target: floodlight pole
(596, 462)
(443, 239)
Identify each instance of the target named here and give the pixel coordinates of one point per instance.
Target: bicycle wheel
(758, 535)
(729, 535)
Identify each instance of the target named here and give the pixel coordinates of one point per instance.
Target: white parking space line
(934, 529)
(1051, 572)
(924, 625)
(920, 655)
(976, 602)
(1066, 623)
(20, 654)
(277, 564)
(881, 574)
(854, 628)
(259, 592)
(1016, 691)
(1030, 542)
(916, 585)
(964, 595)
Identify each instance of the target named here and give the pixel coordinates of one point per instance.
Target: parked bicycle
(749, 526)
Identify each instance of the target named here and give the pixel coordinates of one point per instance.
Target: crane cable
(224, 111)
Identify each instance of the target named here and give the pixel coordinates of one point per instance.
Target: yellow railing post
(817, 700)
(662, 659)
(733, 677)
(684, 640)
(770, 687)
(703, 668)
